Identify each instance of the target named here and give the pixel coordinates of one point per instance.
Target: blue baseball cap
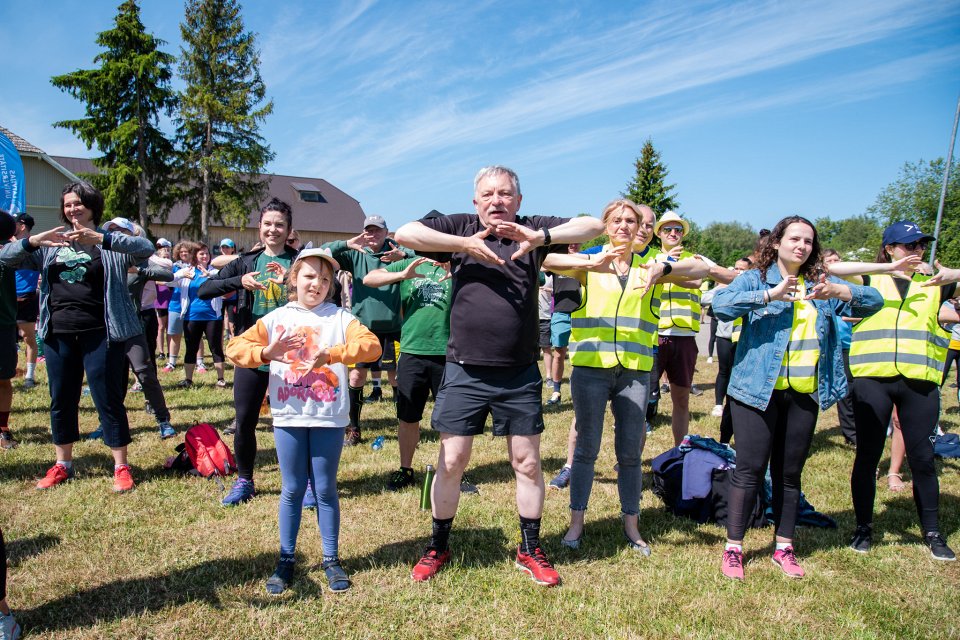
(227, 242)
(904, 231)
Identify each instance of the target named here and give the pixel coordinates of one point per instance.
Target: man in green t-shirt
(425, 289)
(378, 309)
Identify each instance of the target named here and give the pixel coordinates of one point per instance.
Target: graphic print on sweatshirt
(301, 380)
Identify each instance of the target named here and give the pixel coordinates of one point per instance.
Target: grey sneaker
(938, 547)
(862, 539)
(6, 440)
(9, 628)
(561, 480)
(695, 390)
(468, 487)
(29, 383)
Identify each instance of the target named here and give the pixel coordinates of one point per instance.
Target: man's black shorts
(468, 394)
(28, 308)
(8, 352)
(417, 377)
(388, 359)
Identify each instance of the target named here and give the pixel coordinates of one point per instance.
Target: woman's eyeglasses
(912, 246)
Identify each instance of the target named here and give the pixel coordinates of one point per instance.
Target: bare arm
(382, 277)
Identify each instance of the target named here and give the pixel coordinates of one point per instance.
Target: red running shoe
(56, 474)
(431, 562)
(538, 567)
(787, 561)
(122, 479)
(732, 564)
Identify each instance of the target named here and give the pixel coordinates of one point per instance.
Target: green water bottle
(425, 490)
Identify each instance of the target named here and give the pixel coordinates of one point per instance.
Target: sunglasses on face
(911, 246)
(672, 229)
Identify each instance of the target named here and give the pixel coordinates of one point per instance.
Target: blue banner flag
(12, 196)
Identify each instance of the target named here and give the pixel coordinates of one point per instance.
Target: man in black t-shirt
(492, 356)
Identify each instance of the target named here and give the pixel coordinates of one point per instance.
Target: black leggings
(138, 355)
(148, 317)
(249, 388)
(713, 338)
(918, 406)
(194, 330)
(952, 356)
(781, 435)
(726, 350)
(3, 568)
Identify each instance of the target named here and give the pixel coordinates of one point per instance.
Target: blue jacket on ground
(766, 332)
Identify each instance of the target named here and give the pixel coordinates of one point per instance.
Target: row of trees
(215, 159)
(915, 196)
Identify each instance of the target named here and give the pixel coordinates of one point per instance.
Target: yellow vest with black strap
(737, 328)
(798, 371)
(903, 338)
(679, 306)
(615, 325)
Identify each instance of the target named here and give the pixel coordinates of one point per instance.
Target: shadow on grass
(472, 548)
(23, 548)
(134, 597)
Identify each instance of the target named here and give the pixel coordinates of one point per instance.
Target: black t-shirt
(493, 311)
(76, 290)
(566, 294)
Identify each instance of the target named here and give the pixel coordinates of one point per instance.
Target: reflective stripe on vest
(798, 371)
(903, 338)
(679, 306)
(615, 326)
(737, 328)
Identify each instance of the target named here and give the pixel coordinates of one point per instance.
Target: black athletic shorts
(8, 352)
(468, 394)
(388, 359)
(544, 340)
(417, 377)
(28, 308)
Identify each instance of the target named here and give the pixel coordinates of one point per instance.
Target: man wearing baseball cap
(376, 308)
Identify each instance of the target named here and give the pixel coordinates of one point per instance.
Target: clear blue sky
(759, 109)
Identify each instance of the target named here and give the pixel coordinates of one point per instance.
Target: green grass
(166, 561)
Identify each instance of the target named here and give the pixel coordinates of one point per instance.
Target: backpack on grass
(203, 453)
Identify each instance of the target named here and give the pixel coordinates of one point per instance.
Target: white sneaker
(717, 411)
(710, 360)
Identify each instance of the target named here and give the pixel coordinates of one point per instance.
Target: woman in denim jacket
(788, 366)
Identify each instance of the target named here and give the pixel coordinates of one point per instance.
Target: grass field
(166, 561)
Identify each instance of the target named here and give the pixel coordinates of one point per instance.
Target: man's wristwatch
(546, 237)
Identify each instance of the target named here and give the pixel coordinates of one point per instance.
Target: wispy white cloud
(597, 71)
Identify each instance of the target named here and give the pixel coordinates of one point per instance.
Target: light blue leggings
(309, 453)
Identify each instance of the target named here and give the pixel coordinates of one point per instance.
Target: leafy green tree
(222, 108)
(125, 97)
(915, 195)
(854, 237)
(722, 242)
(648, 185)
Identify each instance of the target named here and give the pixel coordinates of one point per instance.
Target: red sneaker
(431, 562)
(55, 475)
(732, 564)
(538, 567)
(122, 480)
(787, 561)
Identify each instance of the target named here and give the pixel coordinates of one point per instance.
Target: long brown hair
(810, 269)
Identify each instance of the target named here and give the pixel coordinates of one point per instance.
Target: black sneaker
(938, 547)
(401, 479)
(468, 487)
(230, 429)
(282, 577)
(375, 396)
(862, 538)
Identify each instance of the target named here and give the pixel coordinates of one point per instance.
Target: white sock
(117, 466)
(172, 360)
(734, 546)
(376, 383)
(66, 463)
(31, 366)
(783, 545)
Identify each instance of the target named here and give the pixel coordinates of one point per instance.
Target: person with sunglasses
(897, 358)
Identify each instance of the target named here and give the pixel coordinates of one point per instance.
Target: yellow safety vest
(679, 306)
(903, 338)
(737, 328)
(798, 371)
(615, 325)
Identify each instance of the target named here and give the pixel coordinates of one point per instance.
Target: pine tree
(125, 97)
(223, 153)
(648, 185)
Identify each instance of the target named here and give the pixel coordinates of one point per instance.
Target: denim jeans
(627, 390)
(69, 355)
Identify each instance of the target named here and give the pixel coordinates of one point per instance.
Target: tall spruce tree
(648, 185)
(222, 107)
(125, 97)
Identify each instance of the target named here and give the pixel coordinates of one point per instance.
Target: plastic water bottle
(425, 490)
(377, 443)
